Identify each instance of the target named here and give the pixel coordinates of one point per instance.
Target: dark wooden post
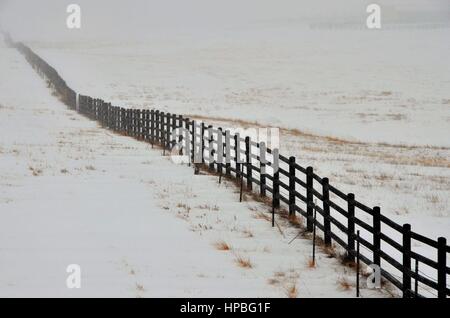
(292, 186)
(202, 142)
(237, 149)
(227, 153)
(162, 137)
(187, 141)
(442, 268)
(129, 121)
(167, 131)
(172, 128)
(248, 160)
(139, 123)
(193, 141)
(262, 168)
(180, 137)
(276, 190)
(309, 199)
(351, 227)
(211, 147)
(122, 120)
(152, 127)
(148, 123)
(406, 260)
(376, 235)
(158, 127)
(326, 211)
(220, 146)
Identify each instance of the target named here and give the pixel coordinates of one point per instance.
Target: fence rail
(384, 242)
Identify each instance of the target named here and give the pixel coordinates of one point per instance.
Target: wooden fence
(385, 243)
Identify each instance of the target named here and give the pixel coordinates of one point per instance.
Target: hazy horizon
(140, 19)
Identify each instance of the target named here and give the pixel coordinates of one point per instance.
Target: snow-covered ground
(137, 224)
(387, 112)
(369, 109)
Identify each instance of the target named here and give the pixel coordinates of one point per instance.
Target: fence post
(187, 142)
(326, 211)
(227, 152)
(173, 127)
(202, 137)
(291, 185)
(248, 160)
(237, 150)
(193, 142)
(219, 146)
(109, 120)
(139, 115)
(181, 135)
(406, 260)
(442, 268)
(122, 120)
(276, 190)
(129, 122)
(351, 227)
(158, 127)
(112, 116)
(107, 114)
(211, 148)
(357, 263)
(376, 235)
(104, 113)
(167, 131)
(309, 199)
(162, 137)
(152, 127)
(138, 124)
(147, 125)
(262, 169)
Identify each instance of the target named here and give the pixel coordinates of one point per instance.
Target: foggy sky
(138, 19)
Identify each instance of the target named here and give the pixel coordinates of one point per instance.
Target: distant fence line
(385, 243)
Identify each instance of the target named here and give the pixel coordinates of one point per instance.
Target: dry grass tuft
(243, 262)
(311, 263)
(262, 216)
(273, 281)
(140, 287)
(294, 220)
(279, 274)
(35, 171)
(344, 284)
(291, 291)
(222, 246)
(208, 207)
(434, 199)
(247, 233)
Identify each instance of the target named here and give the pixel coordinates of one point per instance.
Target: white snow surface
(137, 224)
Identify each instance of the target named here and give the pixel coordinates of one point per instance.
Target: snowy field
(137, 224)
(375, 122)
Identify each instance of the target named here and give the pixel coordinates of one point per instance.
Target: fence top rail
(363, 207)
(337, 192)
(300, 168)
